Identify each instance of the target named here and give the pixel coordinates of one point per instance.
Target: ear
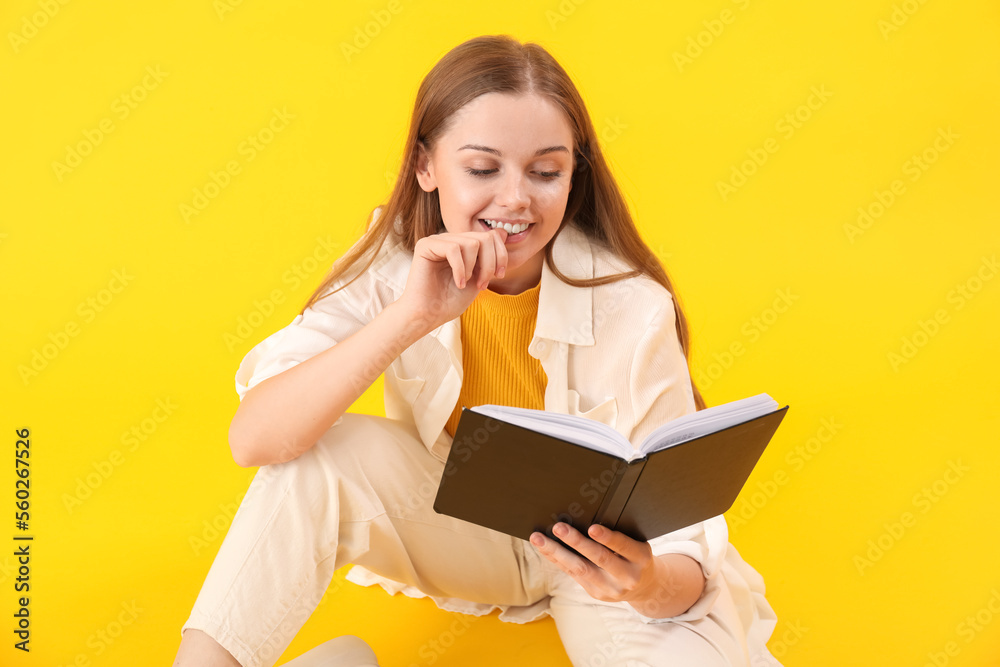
(424, 169)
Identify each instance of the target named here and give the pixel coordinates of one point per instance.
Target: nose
(513, 193)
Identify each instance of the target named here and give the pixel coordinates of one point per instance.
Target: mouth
(514, 232)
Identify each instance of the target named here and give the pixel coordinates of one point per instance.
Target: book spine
(618, 492)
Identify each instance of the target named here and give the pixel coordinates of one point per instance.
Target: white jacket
(610, 353)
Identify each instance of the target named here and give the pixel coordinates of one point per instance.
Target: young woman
(505, 268)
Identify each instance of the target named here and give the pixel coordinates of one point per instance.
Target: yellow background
(773, 270)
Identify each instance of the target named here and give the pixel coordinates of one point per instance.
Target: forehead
(513, 122)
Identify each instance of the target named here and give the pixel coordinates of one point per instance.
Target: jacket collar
(565, 313)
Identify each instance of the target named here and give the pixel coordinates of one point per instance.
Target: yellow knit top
(496, 331)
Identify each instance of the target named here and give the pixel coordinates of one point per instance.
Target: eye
(486, 172)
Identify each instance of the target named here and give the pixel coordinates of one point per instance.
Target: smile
(511, 229)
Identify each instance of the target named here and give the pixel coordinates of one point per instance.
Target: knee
(358, 445)
(598, 635)
(318, 479)
(360, 436)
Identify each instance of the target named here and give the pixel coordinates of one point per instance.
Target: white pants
(349, 499)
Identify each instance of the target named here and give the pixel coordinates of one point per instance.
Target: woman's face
(509, 159)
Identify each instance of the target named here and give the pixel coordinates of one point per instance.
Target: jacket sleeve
(330, 320)
(308, 334)
(661, 391)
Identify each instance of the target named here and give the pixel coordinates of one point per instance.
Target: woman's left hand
(616, 566)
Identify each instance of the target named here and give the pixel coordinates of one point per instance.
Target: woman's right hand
(449, 270)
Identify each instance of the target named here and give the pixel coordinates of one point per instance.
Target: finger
(568, 562)
(456, 259)
(436, 249)
(487, 260)
(499, 241)
(620, 543)
(598, 554)
(470, 254)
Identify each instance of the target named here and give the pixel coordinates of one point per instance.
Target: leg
(343, 651)
(363, 494)
(596, 634)
(197, 649)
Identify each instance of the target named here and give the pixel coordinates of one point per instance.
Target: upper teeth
(511, 229)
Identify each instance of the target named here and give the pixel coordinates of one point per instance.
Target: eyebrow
(539, 152)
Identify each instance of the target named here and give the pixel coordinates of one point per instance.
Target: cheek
(553, 196)
(465, 197)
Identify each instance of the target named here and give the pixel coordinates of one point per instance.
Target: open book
(517, 470)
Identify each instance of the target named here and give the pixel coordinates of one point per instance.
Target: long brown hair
(501, 64)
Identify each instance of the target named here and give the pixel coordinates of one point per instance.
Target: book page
(709, 420)
(588, 433)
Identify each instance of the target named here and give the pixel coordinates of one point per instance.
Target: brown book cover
(516, 480)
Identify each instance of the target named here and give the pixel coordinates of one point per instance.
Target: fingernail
(560, 529)
(537, 540)
(503, 270)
